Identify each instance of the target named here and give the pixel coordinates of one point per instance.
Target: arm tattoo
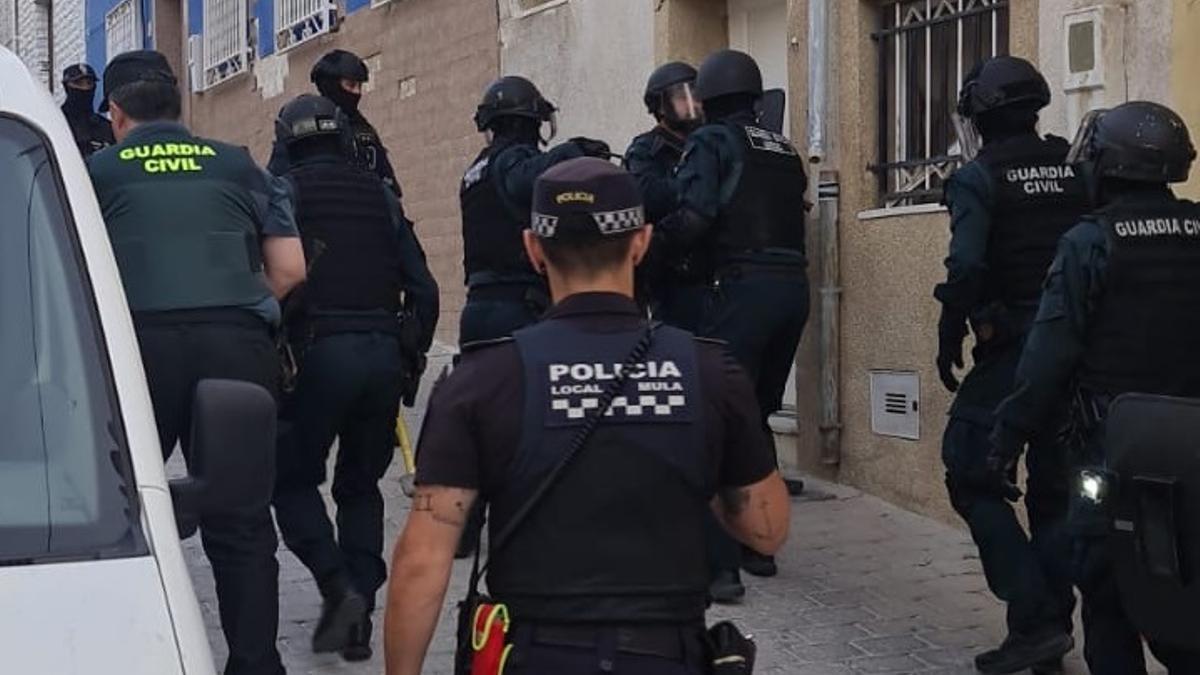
(443, 504)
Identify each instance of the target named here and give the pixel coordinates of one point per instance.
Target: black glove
(592, 147)
(952, 328)
(996, 473)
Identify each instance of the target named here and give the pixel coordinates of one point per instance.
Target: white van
(92, 577)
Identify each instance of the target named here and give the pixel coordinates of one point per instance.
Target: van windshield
(65, 480)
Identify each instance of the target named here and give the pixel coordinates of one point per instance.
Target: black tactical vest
(183, 214)
(1037, 198)
(620, 538)
(492, 226)
(766, 209)
(1143, 335)
(349, 237)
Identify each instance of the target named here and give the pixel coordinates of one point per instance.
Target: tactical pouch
(1156, 532)
(730, 652)
(483, 627)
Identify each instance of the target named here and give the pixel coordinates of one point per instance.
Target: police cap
(586, 197)
(666, 75)
(1000, 82)
(339, 64)
(142, 65)
(78, 72)
(728, 72)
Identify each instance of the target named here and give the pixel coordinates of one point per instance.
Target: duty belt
(670, 641)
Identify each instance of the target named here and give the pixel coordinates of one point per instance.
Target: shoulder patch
(470, 347)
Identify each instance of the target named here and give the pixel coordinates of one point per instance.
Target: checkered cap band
(544, 225)
(616, 222)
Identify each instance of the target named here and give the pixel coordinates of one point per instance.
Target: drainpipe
(828, 189)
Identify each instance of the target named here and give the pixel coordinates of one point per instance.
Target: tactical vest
(1037, 198)
(183, 214)
(349, 238)
(1143, 335)
(766, 209)
(492, 225)
(620, 537)
(368, 148)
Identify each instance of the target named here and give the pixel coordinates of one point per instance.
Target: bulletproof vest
(766, 209)
(667, 149)
(1142, 337)
(492, 225)
(349, 238)
(368, 148)
(92, 133)
(183, 214)
(620, 537)
(1037, 198)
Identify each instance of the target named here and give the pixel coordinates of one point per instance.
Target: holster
(730, 652)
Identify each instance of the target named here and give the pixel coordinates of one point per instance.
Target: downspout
(829, 289)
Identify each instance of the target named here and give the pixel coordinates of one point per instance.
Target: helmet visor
(551, 120)
(969, 138)
(681, 104)
(1082, 148)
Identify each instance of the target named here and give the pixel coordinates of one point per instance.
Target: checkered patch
(644, 405)
(544, 226)
(616, 222)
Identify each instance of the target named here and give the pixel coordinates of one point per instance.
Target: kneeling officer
(359, 328)
(607, 568)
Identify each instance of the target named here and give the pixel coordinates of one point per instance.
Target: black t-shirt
(473, 425)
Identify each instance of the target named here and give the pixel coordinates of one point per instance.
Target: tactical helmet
(512, 96)
(1001, 82)
(663, 77)
(339, 64)
(308, 116)
(728, 72)
(1138, 141)
(77, 72)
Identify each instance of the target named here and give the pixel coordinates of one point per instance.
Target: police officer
(651, 158)
(742, 209)
(92, 132)
(1008, 208)
(607, 572)
(339, 76)
(359, 329)
(504, 292)
(206, 242)
(1114, 318)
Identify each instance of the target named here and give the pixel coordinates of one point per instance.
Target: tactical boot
(758, 564)
(727, 588)
(343, 609)
(1053, 667)
(795, 486)
(1020, 652)
(359, 647)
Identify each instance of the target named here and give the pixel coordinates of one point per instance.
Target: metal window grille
(925, 49)
(226, 50)
(298, 21)
(123, 28)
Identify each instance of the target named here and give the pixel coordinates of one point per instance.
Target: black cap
(143, 65)
(77, 72)
(586, 196)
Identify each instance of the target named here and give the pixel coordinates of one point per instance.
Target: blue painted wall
(93, 19)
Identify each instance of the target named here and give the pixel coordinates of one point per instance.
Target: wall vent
(896, 404)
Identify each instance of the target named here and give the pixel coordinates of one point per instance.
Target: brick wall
(68, 38)
(6, 23)
(31, 38)
(433, 59)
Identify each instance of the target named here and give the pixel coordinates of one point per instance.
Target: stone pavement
(864, 587)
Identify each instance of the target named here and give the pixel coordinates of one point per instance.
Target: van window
(65, 479)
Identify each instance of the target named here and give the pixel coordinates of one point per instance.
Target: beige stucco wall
(1185, 60)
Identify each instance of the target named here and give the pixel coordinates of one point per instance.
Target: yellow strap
(497, 612)
(504, 659)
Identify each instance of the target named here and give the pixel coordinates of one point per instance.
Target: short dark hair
(148, 101)
(587, 254)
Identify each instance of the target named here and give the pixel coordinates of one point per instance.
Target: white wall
(1138, 51)
(7, 32)
(69, 44)
(591, 58)
(30, 38)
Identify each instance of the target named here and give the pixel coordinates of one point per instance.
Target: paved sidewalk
(864, 587)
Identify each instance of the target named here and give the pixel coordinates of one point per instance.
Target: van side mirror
(231, 468)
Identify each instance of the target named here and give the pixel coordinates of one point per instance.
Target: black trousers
(349, 387)
(178, 350)
(1112, 644)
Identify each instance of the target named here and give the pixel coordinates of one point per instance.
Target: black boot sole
(334, 635)
(1049, 652)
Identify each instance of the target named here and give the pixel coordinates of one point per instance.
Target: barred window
(122, 28)
(298, 21)
(226, 41)
(925, 49)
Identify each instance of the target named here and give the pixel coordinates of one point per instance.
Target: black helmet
(666, 75)
(78, 72)
(728, 72)
(339, 64)
(308, 116)
(1138, 141)
(512, 96)
(1000, 82)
